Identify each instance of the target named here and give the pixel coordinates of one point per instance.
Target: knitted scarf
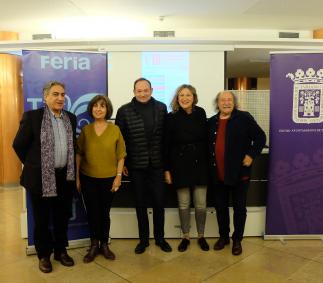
(47, 146)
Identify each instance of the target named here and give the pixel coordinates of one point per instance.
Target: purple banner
(295, 191)
(84, 75)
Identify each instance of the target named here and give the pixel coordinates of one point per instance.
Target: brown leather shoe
(92, 252)
(45, 265)
(221, 243)
(64, 259)
(236, 247)
(107, 253)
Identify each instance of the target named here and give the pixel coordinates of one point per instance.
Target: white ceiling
(246, 62)
(141, 17)
(39, 16)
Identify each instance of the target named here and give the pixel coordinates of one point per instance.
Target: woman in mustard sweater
(100, 159)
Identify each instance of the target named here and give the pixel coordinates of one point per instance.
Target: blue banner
(84, 75)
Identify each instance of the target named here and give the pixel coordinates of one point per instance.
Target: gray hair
(216, 100)
(50, 84)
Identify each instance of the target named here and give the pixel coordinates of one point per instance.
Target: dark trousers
(149, 183)
(239, 200)
(56, 210)
(98, 199)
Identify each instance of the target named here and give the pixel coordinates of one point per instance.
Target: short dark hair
(175, 105)
(141, 80)
(50, 84)
(106, 101)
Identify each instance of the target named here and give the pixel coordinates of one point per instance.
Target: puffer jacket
(141, 152)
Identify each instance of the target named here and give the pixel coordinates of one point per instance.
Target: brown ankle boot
(107, 253)
(92, 252)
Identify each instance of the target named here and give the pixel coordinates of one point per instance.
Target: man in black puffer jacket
(141, 122)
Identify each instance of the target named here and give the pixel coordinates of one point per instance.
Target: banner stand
(293, 237)
(84, 75)
(295, 191)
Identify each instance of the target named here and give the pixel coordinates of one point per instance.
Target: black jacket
(243, 136)
(186, 147)
(141, 152)
(27, 147)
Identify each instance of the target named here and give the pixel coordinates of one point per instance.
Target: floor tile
(294, 261)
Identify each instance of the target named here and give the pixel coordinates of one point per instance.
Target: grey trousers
(184, 202)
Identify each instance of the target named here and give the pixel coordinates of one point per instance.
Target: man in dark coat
(45, 143)
(235, 139)
(141, 122)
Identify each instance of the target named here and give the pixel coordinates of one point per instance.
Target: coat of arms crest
(307, 96)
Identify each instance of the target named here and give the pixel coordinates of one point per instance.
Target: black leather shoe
(45, 265)
(221, 243)
(107, 253)
(203, 244)
(236, 247)
(141, 247)
(64, 259)
(164, 246)
(182, 247)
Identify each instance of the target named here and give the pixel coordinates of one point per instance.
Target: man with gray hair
(235, 139)
(45, 143)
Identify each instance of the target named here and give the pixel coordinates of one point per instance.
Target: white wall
(206, 74)
(123, 69)
(210, 33)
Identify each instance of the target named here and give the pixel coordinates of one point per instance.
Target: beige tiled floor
(262, 261)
